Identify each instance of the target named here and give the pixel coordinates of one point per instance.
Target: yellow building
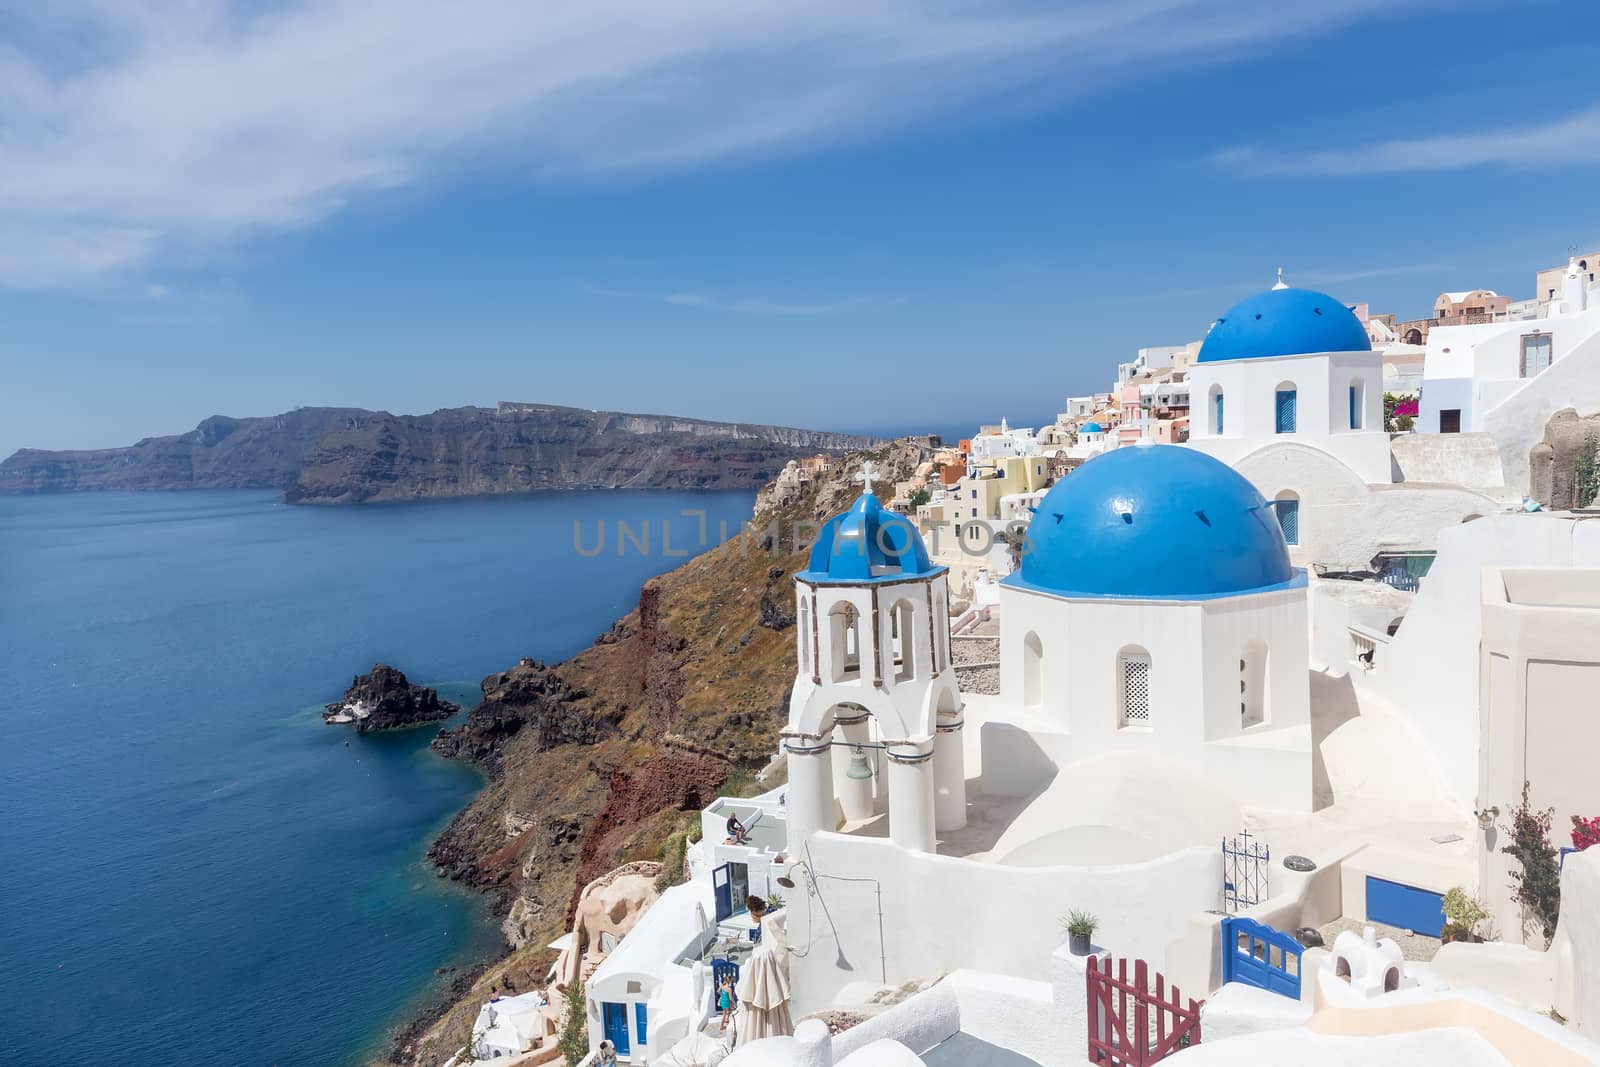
(977, 496)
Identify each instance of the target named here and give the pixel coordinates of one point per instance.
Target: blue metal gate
(724, 970)
(615, 1017)
(1244, 871)
(1255, 954)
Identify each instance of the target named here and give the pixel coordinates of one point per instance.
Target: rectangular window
(641, 1019)
(1535, 354)
(1286, 411)
(974, 494)
(1219, 413)
(1355, 407)
(1289, 519)
(1450, 420)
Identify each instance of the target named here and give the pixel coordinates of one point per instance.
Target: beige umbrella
(764, 995)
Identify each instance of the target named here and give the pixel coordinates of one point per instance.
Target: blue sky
(843, 215)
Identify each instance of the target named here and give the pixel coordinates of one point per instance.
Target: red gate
(1124, 1038)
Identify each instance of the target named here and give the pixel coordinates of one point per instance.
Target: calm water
(193, 868)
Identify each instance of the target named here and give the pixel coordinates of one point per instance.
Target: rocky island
(384, 699)
(350, 455)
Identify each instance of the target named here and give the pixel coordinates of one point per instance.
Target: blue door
(722, 889)
(616, 1025)
(1286, 410)
(641, 1020)
(730, 885)
(1289, 518)
(1405, 906)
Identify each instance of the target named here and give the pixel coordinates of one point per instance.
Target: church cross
(869, 471)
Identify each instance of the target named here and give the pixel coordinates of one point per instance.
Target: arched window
(1133, 683)
(1216, 410)
(1288, 508)
(1341, 969)
(1032, 666)
(844, 643)
(1391, 979)
(904, 618)
(1253, 685)
(1286, 414)
(1358, 403)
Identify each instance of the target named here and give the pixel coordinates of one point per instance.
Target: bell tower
(875, 719)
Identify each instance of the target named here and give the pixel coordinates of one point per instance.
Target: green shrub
(1079, 923)
(1588, 486)
(574, 1041)
(671, 855)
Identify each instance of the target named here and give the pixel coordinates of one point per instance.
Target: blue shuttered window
(1286, 410)
(1289, 518)
(641, 1020)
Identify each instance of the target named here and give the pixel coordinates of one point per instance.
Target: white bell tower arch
(875, 718)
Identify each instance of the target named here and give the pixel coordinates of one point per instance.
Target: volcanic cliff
(348, 455)
(609, 757)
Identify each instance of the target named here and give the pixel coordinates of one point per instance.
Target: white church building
(1288, 390)
(1156, 613)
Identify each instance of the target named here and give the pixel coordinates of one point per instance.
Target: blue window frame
(1355, 407)
(1218, 414)
(1289, 518)
(641, 1022)
(1286, 410)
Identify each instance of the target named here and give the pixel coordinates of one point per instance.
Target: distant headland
(351, 455)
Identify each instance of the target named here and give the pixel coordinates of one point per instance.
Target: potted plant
(1462, 912)
(1080, 927)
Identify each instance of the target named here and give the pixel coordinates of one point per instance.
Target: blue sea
(194, 869)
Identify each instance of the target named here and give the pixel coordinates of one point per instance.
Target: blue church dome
(1154, 522)
(1284, 322)
(867, 544)
(1091, 427)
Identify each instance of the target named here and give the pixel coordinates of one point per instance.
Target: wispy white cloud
(1336, 277)
(132, 130)
(757, 306)
(1563, 141)
(746, 305)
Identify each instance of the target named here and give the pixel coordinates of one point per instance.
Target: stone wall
(1559, 475)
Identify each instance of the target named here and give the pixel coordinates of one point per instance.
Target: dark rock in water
(529, 696)
(386, 700)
